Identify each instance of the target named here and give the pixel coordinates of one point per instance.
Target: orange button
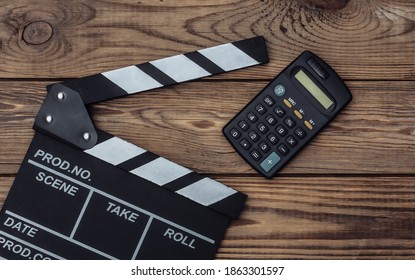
(298, 114)
(287, 103)
(308, 125)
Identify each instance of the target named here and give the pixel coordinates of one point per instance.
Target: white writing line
(30, 245)
(142, 238)
(122, 201)
(81, 214)
(60, 235)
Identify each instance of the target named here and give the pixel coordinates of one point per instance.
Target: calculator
(293, 108)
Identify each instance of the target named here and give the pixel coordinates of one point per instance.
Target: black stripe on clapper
(137, 161)
(103, 136)
(237, 200)
(156, 74)
(95, 88)
(204, 62)
(183, 181)
(254, 47)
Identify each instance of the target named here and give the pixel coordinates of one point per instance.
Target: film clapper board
(82, 193)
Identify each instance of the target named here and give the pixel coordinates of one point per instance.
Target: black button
(264, 147)
(254, 136)
(252, 117)
(262, 128)
(289, 122)
(260, 109)
(272, 138)
(283, 149)
(300, 133)
(243, 125)
(291, 141)
(279, 111)
(245, 144)
(317, 68)
(269, 101)
(255, 155)
(235, 133)
(271, 120)
(281, 130)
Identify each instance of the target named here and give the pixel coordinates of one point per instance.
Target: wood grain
(323, 217)
(374, 135)
(350, 194)
(361, 39)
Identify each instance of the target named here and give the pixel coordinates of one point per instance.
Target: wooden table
(349, 194)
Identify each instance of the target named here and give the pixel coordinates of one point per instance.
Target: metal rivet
(86, 136)
(61, 95)
(49, 119)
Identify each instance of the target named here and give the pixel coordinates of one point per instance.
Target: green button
(270, 162)
(279, 90)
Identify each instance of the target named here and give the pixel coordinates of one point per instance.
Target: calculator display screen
(315, 91)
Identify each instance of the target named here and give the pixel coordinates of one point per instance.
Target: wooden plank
(380, 119)
(318, 218)
(5, 184)
(323, 217)
(361, 39)
(373, 135)
(20, 101)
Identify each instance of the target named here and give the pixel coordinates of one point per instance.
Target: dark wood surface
(349, 194)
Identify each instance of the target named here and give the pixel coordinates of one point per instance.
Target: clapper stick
(82, 193)
(171, 70)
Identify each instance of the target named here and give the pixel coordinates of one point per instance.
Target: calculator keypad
(270, 129)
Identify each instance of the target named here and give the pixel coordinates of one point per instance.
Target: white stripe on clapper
(132, 79)
(115, 151)
(180, 68)
(228, 57)
(161, 171)
(206, 191)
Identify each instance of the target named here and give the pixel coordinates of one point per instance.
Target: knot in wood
(37, 32)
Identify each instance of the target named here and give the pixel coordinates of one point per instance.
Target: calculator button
(262, 128)
(270, 161)
(245, 144)
(255, 155)
(300, 133)
(252, 117)
(269, 101)
(283, 149)
(243, 125)
(281, 130)
(288, 103)
(260, 109)
(279, 111)
(289, 122)
(291, 141)
(279, 90)
(254, 136)
(271, 120)
(308, 125)
(273, 139)
(235, 133)
(298, 114)
(264, 147)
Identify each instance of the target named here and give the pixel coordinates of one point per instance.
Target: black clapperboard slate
(82, 193)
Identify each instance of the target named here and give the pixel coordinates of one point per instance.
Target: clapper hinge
(63, 115)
